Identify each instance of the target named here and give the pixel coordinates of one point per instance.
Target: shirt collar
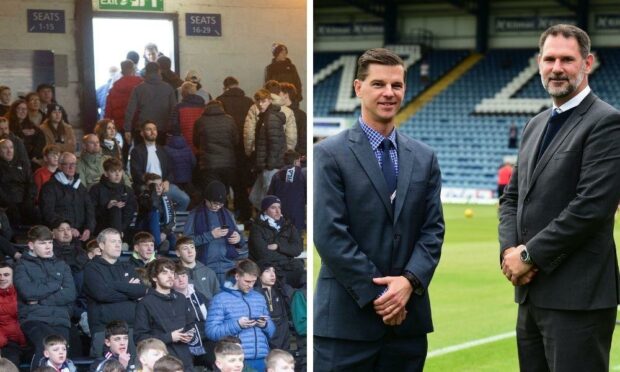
(575, 101)
(375, 138)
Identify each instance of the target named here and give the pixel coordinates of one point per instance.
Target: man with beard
(557, 216)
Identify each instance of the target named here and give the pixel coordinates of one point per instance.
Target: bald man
(64, 197)
(17, 188)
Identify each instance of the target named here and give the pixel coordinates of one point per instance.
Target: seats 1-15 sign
(197, 24)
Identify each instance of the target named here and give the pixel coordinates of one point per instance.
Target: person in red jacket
(503, 178)
(118, 97)
(11, 336)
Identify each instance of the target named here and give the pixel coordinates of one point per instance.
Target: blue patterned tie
(388, 166)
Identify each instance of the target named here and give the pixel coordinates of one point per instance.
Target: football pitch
(473, 309)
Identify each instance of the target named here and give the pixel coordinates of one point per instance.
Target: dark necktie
(388, 166)
(553, 126)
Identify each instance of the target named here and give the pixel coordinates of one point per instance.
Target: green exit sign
(132, 5)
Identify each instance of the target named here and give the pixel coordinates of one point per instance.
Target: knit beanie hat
(268, 201)
(216, 192)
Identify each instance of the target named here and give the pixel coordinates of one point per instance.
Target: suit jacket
(562, 208)
(361, 236)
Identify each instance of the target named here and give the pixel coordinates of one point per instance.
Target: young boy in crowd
(55, 354)
(148, 352)
(228, 356)
(168, 363)
(203, 278)
(156, 212)
(115, 202)
(143, 249)
(164, 313)
(117, 341)
(280, 361)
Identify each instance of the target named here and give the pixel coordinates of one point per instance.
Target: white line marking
(470, 344)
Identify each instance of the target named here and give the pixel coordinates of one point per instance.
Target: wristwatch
(525, 256)
(415, 282)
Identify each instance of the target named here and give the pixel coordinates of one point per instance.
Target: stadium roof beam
(369, 7)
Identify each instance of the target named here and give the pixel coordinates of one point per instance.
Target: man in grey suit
(557, 217)
(378, 226)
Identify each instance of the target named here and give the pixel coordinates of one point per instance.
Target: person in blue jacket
(242, 312)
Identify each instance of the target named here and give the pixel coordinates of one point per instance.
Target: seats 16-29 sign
(197, 24)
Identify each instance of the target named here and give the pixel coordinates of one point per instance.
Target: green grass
(472, 300)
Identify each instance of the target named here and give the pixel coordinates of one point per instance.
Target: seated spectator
(90, 164)
(168, 363)
(278, 297)
(57, 131)
(186, 113)
(46, 95)
(203, 278)
(149, 157)
(148, 352)
(55, 354)
(110, 140)
(117, 342)
(156, 213)
(214, 230)
(215, 136)
(46, 292)
(201, 347)
(241, 311)
(114, 202)
(289, 185)
(65, 198)
(183, 159)
(228, 356)
(112, 288)
(279, 361)
(143, 250)
(33, 102)
(274, 239)
(51, 154)
(6, 234)
(164, 313)
(12, 340)
(30, 133)
(92, 249)
(68, 248)
(17, 188)
(5, 99)
(18, 144)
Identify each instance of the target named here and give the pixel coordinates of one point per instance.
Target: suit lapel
(406, 160)
(566, 129)
(359, 145)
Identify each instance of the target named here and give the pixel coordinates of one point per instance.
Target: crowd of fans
(98, 266)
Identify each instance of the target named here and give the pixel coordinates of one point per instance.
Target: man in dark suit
(557, 217)
(378, 226)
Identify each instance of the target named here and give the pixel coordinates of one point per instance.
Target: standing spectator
(291, 100)
(167, 75)
(114, 202)
(31, 134)
(112, 288)
(241, 311)
(278, 296)
(237, 105)
(213, 228)
(425, 70)
(282, 69)
(186, 113)
(156, 213)
(46, 291)
(270, 144)
(215, 136)
(12, 340)
(184, 161)
(165, 313)
(193, 77)
(152, 100)
(290, 127)
(110, 140)
(33, 102)
(503, 178)
(513, 136)
(149, 157)
(17, 188)
(151, 53)
(118, 97)
(65, 198)
(5, 99)
(46, 95)
(289, 184)
(203, 278)
(102, 92)
(274, 239)
(51, 154)
(58, 131)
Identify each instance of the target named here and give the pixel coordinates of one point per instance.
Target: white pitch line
(470, 344)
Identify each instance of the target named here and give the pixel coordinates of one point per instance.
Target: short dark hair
(4, 264)
(215, 102)
(39, 232)
(91, 245)
(40, 87)
(567, 31)
(230, 81)
(157, 266)
(112, 164)
(143, 237)
(127, 66)
(151, 68)
(179, 269)
(291, 90)
(378, 56)
(52, 148)
(112, 365)
(168, 363)
(227, 347)
(247, 266)
(116, 327)
(273, 86)
(147, 122)
(54, 340)
(151, 177)
(290, 156)
(182, 241)
(164, 62)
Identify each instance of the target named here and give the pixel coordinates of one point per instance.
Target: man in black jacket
(149, 157)
(17, 188)
(112, 288)
(46, 291)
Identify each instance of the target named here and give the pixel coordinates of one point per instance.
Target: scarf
(109, 144)
(60, 177)
(277, 225)
(200, 315)
(201, 226)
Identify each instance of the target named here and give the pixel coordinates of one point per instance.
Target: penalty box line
(470, 344)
